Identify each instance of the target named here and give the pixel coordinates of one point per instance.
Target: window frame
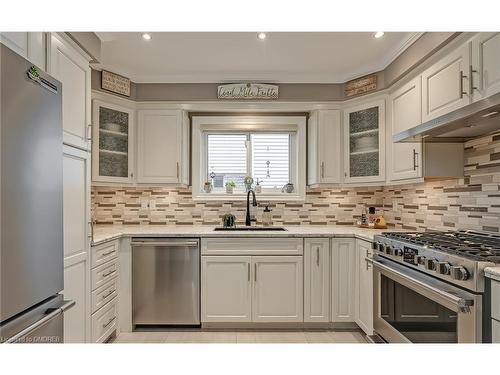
(202, 126)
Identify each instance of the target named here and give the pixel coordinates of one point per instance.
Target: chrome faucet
(248, 220)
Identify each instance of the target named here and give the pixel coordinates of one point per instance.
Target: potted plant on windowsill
(230, 185)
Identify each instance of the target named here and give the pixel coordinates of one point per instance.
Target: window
(263, 156)
(266, 148)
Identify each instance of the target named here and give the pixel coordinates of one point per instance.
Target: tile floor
(243, 337)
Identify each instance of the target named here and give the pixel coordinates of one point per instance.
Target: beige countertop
(103, 233)
(493, 272)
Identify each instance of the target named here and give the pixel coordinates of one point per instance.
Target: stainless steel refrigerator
(31, 188)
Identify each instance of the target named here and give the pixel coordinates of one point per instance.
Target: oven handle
(463, 304)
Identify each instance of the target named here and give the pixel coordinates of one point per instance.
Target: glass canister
(267, 219)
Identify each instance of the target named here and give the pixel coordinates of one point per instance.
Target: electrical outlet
(144, 205)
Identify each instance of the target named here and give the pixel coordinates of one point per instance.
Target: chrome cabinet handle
(177, 166)
(108, 294)
(255, 272)
(108, 323)
(317, 256)
(368, 262)
(248, 271)
(108, 273)
(164, 243)
(107, 253)
(415, 160)
(322, 169)
(89, 132)
(471, 80)
(462, 92)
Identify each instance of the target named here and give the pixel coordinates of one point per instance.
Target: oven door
(410, 306)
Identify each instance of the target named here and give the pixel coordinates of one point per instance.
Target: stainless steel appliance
(31, 254)
(165, 281)
(430, 287)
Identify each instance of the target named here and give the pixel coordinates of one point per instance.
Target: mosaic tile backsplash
(472, 202)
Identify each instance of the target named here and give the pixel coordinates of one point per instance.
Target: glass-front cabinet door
(364, 145)
(112, 143)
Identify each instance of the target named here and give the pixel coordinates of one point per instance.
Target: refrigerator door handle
(51, 314)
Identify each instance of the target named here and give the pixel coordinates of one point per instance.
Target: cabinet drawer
(104, 252)
(104, 273)
(104, 322)
(252, 246)
(104, 294)
(495, 299)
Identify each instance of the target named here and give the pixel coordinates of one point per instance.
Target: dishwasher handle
(165, 243)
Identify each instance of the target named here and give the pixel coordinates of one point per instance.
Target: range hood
(472, 121)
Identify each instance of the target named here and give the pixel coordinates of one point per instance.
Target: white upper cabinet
(485, 67)
(162, 139)
(364, 142)
(68, 65)
(446, 85)
(278, 289)
(113, 135)
(30, 45)
(324, 147)
(316, 280)
(405, 111)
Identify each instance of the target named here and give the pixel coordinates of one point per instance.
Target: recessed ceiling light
(379, 34)
(146, 36)
(262, 36)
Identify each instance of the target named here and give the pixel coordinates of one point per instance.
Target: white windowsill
(236, 197)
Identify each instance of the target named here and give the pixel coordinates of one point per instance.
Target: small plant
(230, 185)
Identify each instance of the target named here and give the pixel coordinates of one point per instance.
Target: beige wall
(423, 48)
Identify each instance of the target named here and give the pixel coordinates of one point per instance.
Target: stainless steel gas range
(429, 287)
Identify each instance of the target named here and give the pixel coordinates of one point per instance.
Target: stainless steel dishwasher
(165, 281)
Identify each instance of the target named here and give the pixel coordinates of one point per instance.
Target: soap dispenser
(267, 219)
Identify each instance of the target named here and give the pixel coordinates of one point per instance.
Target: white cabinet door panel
(30, 45)
(486, 63)
(317, 280)
(364, 287)
(73, 70)
(226, 289)
(405, 111)
(76, 319)
(445, 85)
(159, 146)
(277, 289)
(16, 41)
(343, 279)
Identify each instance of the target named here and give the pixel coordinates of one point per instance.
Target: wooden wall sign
(361, 85)
(115, 83)
(248, 91)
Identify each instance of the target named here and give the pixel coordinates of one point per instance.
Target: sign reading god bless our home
(247, 91)
(115, 83)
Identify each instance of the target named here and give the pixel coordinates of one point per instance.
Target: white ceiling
(282, 57)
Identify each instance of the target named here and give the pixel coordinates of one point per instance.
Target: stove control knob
(375, 245)
(430, 264)
(381, 247)
(416, 259)
(443, 268)
(388, 249)
(397, 252)
(421, 259)
(459, 273)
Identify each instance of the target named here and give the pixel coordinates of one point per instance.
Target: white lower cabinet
(277, 290)
(364, 287)
(495, 333)
(251, 289)
(226, 289)
(104, 290)
(316, 280)
(343, 262)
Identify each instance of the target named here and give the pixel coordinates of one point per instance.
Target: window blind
(271, 159)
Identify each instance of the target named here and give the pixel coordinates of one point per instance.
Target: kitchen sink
(236, 229)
